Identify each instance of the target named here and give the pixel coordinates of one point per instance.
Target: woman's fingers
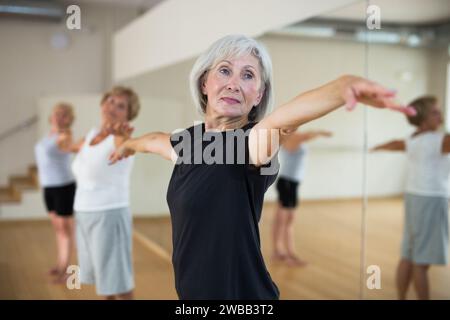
(407, 110)
(119, 154)
(121, 129)
(127, 130)
(373, 94)
(350, 98)
(115, 156)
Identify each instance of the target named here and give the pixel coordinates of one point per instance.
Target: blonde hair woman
(55, 176)
(102, 205)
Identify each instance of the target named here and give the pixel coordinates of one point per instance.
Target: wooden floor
(328, 236)
(27, 251)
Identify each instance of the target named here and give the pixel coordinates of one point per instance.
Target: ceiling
(398, 11)
(144, 4)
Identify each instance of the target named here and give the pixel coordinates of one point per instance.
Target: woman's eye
(248, 75)
(224, 71)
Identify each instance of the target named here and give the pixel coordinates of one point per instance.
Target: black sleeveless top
(215, 209)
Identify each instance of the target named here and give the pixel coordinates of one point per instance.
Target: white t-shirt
(100, 186)
(428, 168)
(53, 164)
(292, 163)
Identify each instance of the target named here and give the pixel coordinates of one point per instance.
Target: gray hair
(226, 47)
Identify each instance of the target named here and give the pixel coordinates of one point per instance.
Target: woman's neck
(223, 124)
(56, 129)
(425, 129)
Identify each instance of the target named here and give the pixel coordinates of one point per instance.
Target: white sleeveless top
(100, 186)
(52, 163)
(428, 168)
(292, 163)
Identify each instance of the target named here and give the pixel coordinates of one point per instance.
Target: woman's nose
(233, 84)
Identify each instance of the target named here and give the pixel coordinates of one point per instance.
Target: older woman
(103, 219)
(55, 177)
(215, 207)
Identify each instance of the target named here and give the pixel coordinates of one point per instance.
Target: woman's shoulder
(91, 133)
(428, 135)
(46, 138)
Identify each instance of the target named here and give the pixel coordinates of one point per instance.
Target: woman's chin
(230, 111)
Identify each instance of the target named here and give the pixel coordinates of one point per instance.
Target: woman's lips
(230, 100)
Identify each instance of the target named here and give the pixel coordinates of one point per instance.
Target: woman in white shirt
(425, 236)
(292, 170)
(103, 218)
(53, 160)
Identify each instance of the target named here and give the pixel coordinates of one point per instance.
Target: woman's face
(115, 109)
(233, 87)
(61, 118)
(434, 118)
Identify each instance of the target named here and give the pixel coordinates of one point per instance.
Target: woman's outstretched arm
(154, 142)
(269, 133)
(297, 138)
(446, 144)
(395, 145)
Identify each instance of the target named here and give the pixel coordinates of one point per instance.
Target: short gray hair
(226, 47)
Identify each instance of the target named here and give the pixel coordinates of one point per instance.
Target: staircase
(22, 197)
(17, 184)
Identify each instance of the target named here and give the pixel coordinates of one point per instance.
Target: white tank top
(100, 186)
(428, 168)
(292, 163)
(52, 163)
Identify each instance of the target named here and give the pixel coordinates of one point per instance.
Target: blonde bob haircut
(133, 99)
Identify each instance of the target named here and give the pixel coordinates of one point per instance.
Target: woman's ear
(259, 97)
(203, 82)
(204, 86)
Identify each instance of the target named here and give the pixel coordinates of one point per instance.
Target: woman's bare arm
(270, 132)
(65, 142)
(395, 145)
(154, 142)
(446, 144)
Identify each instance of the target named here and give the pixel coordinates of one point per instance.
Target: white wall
(31, 68)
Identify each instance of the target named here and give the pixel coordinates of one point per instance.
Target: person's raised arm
(270, 132)
(65, 142)
(446, 144)
(395, 145)
(154, 142)
(302, 137)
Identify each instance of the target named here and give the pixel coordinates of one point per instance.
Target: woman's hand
(357, 89)
(121, 152)
(324, 133)
(120, 129)
(64, 140)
